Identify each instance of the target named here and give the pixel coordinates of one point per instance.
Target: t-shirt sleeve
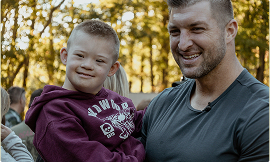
(254, 139)
(144, 130)
(156, 107)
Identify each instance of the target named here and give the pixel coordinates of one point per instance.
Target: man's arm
(254, 140)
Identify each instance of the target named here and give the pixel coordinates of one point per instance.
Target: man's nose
(185, 41)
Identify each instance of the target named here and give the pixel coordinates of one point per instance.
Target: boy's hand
(5, 131)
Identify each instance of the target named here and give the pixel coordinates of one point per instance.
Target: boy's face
(88, 61)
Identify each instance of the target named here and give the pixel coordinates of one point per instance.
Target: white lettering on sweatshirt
(122, 120)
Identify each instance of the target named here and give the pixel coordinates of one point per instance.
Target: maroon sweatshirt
(80, 127)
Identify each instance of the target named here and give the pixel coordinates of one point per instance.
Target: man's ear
(22, 99)
(114, 68)
(64, 55)
(231, 30)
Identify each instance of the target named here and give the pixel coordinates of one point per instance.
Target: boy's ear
(64, 55)
(231, 30)
(114, 68)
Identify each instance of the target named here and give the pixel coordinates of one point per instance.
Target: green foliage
(252, 40)
(45, 26)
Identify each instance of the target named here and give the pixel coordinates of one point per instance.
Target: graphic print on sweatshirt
(122, 120)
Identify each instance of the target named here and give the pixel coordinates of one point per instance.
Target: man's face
(88, 62)
(197, 43)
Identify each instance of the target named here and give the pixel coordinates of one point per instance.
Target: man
(220, 114)
(17, 104)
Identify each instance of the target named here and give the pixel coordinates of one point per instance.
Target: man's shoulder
(255, 88)
(10, 112)
(168, 95)
(22, 130)
(12, 115)
(183, 87)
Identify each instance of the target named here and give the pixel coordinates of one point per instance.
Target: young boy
(82, 121)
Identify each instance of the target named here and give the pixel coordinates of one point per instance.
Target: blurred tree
(252, 41)
(20, 16)
(34, 31)
(12, 62)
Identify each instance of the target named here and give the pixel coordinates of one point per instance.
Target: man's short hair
(36, 93)
(221, 10)
(15, 94)
(96, 28)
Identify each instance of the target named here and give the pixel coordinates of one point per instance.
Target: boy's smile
(84, 75)
(89, 61)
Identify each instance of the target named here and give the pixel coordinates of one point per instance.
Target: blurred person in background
(24, 132)
(17, 105)
(12, 148)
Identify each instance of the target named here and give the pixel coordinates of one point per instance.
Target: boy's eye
(99, 60)
(79, 55)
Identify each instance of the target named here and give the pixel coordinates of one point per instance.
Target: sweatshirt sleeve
(138, 120)
(13, 144)
(66, 140)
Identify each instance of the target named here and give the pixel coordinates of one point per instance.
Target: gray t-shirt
(235, 129)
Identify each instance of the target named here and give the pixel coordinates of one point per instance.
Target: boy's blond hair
(96, 28)
(5, 102)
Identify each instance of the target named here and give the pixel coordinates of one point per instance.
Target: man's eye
(174, 32)
(197, 29)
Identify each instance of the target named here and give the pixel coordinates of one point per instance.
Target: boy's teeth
(192, 56)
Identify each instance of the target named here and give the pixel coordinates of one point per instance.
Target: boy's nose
(88, 66)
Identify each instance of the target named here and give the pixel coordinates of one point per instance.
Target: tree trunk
(12, 77)
(15, 27)
(50, 57)
(260, 69)
(25, 73)
(165, 50)
(31, 45)
(131, 64)
(151, 64)
(142, 73)
(12, 47)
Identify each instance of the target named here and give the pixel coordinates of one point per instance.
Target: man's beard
(211, 59)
